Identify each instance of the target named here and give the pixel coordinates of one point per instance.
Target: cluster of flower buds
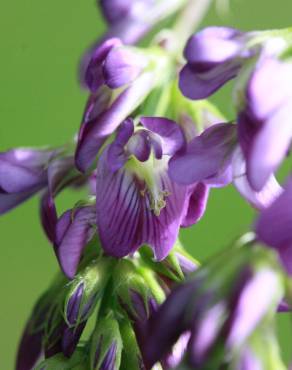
(149, 149)
(118, 297)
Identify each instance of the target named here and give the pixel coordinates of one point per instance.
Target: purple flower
(74, 229)
(264, 122)
(119, 66)
(60, 174)
(273, 227)
(23, 172)
(214, 56)
(207, 158)
(114, 65)
(137, 203)
(258, 199)
(217, 307)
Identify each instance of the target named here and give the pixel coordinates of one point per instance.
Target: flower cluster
(149, 150)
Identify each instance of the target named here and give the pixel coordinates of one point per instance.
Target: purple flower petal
(273, 227)
(139, 145)
(275, 77)
(206, 333)
(249, 361)
(22, 169)
(94, 72)
(213, 45)
(59, 174)
(171, 316)
(70, 339)
(122, 66)
(261, 199)
(199, 85)
(247, 316)
(197, 204)
(117, 155)
(73, 232)
(124, 212)
(10, 201)
(94, 134)
(269, 147)
(206, 155)
(169, 131)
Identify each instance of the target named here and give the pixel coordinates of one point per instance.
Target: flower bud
(106, 344)
(86, 290)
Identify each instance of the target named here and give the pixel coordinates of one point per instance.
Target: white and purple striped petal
(130, 214)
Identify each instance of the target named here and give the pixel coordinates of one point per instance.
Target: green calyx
(106, 341)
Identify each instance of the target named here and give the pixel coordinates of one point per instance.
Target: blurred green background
(41, 102)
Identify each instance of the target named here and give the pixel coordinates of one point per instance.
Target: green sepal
(131, 355)
(106, 334)
(78, 361)
(126, 281)
(169, 267)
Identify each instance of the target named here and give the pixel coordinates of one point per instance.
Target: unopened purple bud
(94, 72)
(122, 66)
(106, 344)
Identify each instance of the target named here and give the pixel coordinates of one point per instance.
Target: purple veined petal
(169, 131)
(196, 206)
(117, 155)
(122, 66)
(124, 213)
(213, 45)
(94, 73)
(98, 131)
(269, 147)
(205, 156)
(197, 85)
(10, 201)
(260, 200)
(273, 226)
(73, 231)
(206, 333)
(275, 77)
(264, 285)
